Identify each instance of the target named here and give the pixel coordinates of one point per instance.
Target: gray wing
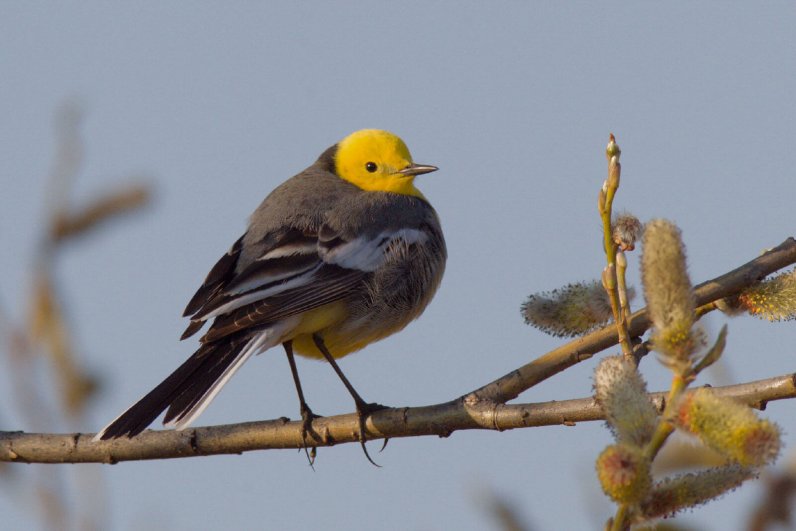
(297, 271)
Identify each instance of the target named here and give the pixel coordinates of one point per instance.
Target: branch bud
(626, 228)
(612, 149)
(614, 171)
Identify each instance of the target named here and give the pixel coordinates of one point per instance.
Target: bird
(343, 254)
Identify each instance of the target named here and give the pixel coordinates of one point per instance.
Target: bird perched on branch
(341, 255)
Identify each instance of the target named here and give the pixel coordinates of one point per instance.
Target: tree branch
(441, 420)
(510, 386)
(483, 408)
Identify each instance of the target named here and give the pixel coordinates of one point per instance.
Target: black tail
(180, 392)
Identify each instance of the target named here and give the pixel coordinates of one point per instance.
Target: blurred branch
(505, 514)
(47, 325)
(47, 321)
(104, 208)
(441, 420)
(775, 509)
(45, 330)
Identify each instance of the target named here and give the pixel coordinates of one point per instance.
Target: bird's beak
(418, 169)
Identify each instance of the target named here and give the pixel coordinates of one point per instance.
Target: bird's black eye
(371, 167)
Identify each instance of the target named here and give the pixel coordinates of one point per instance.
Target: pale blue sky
(514, 101)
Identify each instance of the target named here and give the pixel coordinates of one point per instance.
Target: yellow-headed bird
(341, 255)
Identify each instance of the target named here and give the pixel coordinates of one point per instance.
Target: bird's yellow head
(378, 161)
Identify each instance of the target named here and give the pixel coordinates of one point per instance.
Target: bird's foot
(364, 409)
(307, 416)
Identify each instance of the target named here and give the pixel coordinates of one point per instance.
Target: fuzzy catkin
(689, 490)
(622, 393)
(624, 473)
(728, 427)
(570, 311)
(667, 289)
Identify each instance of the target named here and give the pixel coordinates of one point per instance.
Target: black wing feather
(216, 279)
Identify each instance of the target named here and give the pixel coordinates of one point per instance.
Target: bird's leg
(307, 415)
(363, 408)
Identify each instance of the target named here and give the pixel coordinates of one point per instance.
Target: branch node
(193, 442)
(471, 400)
(495, 416)
(327, 438)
